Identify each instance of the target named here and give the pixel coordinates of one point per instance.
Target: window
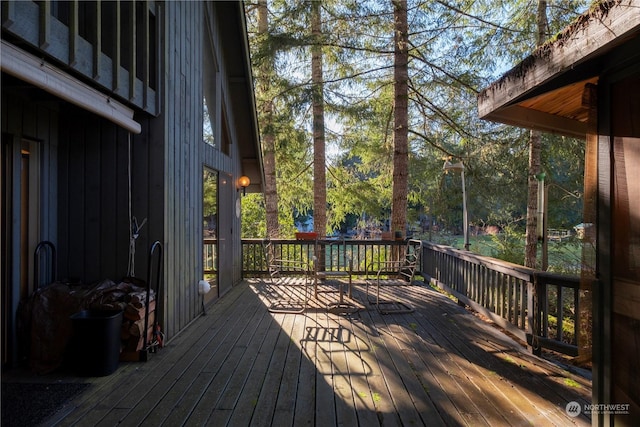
(207, 126)
(210, 230)
(210, 82)
(225, 139)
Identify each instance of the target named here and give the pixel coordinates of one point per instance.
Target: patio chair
(331, 263)
(279, 267)
(402, 273)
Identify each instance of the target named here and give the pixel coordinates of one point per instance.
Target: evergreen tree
(454, 49)
(268, 138)
(535, 148)
(401, 118)
(319, 154)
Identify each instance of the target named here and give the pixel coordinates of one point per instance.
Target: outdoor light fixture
(456, 167)
(459, 167)
(243, 182)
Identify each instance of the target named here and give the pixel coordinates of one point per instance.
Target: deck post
(532, 318)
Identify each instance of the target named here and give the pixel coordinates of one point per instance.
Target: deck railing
(537, 307)
(365, 255)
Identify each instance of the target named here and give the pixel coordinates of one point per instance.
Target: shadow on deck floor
(242, 365)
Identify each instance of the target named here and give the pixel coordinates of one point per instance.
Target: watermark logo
(607, 408)
(573, 409)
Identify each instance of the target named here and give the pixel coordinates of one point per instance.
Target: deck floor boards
(241, 365)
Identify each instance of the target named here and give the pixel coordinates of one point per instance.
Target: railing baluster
(560, 313)
(499, 288)
(524, 297)
(577, 326)
(512, 300)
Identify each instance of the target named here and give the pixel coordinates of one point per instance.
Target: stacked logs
(133, 322)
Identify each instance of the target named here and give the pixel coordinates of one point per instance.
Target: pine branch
(476, 18)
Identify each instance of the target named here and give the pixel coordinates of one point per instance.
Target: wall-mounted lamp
(243, 182)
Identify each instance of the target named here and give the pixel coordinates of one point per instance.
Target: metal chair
(278, 267)
(332, 262)
(404, 270)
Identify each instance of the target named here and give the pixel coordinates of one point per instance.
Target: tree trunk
(535, 147)
(400, 132)
(268, 138)
(319, 156)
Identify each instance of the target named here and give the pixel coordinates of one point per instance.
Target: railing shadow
(540, 308)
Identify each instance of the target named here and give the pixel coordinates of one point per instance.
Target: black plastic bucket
(96, 341)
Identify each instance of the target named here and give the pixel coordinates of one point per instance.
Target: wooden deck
(242, 365)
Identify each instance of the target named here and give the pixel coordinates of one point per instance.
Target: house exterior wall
(83, 190)
(102, 171)
(604, 65)
(183, 153)
(228, 163)
(616, 298)
(95, 175)
(187, 155)
(24, 124)
(39, 123)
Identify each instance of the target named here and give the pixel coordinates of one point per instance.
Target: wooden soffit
(545, 91)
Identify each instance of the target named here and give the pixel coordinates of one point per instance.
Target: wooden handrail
(365, 255)
(527, 302)
(534, 305)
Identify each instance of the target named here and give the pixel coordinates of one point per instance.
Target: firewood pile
(133, 324)
(45, 328)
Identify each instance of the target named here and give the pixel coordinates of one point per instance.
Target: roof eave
(595, 33)
(539, 120)
(253, 166)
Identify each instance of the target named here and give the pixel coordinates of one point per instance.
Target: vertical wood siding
(94, 197)
(39, 122)
(86, 167)
(187, 155)
(183, 181)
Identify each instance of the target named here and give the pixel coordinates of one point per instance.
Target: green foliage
(454, 52)
(565, 256)
(210, 193)
(254, 222)
(509, 245)
(446, 238)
